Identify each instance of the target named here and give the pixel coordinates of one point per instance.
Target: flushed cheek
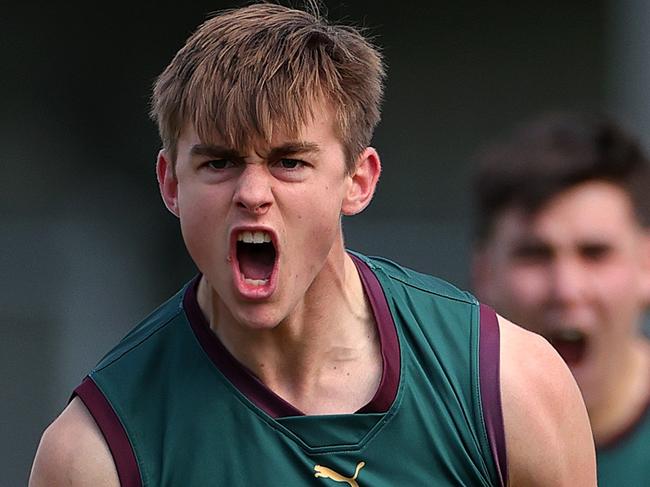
(520, 297)
(204, 238)
(528, 288)
(614, 280)
(617, 284)
(310, 239)
(618, 311)
(318, 220)
(314, 239)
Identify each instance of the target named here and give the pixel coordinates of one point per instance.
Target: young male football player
(288, 360)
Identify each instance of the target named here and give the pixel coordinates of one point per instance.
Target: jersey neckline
(267, 400)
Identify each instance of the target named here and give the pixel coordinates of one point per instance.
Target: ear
(167, 182)
(363, 182)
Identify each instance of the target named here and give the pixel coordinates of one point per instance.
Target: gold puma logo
(328, 473)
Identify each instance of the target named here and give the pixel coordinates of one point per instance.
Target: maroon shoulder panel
(113, 431)
(491, 389)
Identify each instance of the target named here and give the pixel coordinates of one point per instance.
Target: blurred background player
(563, 249)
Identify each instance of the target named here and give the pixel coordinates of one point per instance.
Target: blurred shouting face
(576, 272)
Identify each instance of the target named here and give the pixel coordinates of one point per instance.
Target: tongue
(255, 260)
(571, 351)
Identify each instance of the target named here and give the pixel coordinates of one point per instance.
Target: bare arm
(73, 452)
(548, 436)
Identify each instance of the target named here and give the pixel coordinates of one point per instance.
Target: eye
(290, 163)
(289, 169)
(220, 164)
(532, 252)
(595, 251)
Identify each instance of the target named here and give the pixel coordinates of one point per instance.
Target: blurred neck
(627, 396)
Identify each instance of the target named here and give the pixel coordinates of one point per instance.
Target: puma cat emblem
(328, 473)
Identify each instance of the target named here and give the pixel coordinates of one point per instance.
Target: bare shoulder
(73, 452)
(548, 437)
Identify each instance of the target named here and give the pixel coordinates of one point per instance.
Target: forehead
(318, 129)
(592, 210)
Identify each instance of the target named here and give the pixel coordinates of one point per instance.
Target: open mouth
(256, 256)
(571, 344)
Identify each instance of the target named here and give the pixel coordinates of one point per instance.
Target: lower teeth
(256, 282)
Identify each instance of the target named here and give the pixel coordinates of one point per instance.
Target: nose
(253, 192)
(569, 281)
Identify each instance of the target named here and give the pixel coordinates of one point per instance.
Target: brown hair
(249, 71)
(553, 153)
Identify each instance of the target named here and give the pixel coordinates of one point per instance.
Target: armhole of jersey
(491, 389)
(113, 431)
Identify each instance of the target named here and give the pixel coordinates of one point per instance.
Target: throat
(336, 388)
(625, 401)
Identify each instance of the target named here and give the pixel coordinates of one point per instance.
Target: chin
(257, 319)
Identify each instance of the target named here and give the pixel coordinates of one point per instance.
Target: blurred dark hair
(553, 153)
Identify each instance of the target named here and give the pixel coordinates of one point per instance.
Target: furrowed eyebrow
(292, 148)
(221, 152)
(216, 151)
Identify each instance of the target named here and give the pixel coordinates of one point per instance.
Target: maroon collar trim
(236, 373)
(264, 398)
(388, 339)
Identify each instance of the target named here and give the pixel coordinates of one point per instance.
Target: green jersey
(625, 460)
(177, 409)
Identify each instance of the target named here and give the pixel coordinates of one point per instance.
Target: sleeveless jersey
(625, 460)
(176, 409)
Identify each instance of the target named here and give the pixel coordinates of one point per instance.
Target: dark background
(87, 246)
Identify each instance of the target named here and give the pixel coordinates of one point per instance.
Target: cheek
(310, 223)
(194, 236)
(200, 227)
(318, 212)
(525, 287)
(619, 289)
(616, 278)
(521, 294)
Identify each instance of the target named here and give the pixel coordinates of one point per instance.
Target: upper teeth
(254, 237)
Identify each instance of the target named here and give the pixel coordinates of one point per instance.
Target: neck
(627, 396)
(326, 349)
